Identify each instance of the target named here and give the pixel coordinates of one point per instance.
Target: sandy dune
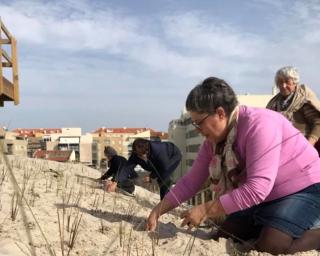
(92, 222)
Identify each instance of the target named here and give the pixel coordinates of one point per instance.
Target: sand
(90, 222)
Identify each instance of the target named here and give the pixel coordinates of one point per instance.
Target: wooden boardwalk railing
(9, 87)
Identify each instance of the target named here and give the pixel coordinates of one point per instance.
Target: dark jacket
(115, 165)
(163, 159)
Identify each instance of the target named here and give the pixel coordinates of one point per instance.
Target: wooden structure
(9, 88)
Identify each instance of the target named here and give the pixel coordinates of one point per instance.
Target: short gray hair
(286, 73)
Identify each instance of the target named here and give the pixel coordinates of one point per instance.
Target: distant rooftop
(121, 130)
(31, 132)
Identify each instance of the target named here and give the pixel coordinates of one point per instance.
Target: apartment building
(36, 132)
(13, 144)
(52, 140)
(116, 137)
(35, 136)
(121, 139)
(71, 139)
(89, 148)
(86, 149)
(99, 142)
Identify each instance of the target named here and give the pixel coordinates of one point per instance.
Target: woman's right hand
(110, 186)
(161, 208)
(152, 222)
(147, 179)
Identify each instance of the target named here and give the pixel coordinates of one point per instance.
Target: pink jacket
(277, 158)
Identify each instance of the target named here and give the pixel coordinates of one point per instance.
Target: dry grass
(85, 220)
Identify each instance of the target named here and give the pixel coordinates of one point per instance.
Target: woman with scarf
(264, 172)
(297, 103)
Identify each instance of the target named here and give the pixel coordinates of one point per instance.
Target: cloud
(86, 55)
(88, 31)
(104, 31)
(200, 35)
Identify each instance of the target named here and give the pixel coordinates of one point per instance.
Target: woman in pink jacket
(265, 174)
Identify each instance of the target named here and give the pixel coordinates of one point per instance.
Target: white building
(86, 149)
(71, 139)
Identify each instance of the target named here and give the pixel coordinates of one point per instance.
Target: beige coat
(303, 111)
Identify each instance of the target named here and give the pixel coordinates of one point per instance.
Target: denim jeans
(292, 214)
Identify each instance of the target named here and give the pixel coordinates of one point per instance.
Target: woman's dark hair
(211, 94)
(110, 151)
(140, 146)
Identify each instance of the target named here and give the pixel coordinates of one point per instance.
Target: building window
(9, 149)
(191, 134)
(189, 162)
(187, 121)
(193, 148)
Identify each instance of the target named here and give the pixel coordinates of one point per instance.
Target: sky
(132, 63)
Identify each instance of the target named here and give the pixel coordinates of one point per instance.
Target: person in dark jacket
(115, 164)
(159, 158)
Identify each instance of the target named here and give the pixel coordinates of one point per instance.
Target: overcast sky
(131, 63)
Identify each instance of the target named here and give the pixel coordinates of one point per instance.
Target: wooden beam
(6, 56)
(8, 89)
(5, 30)
(15, 77)
(5, 41)
(6, 65)
(1, 81)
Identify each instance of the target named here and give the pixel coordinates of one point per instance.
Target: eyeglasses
(197, 125)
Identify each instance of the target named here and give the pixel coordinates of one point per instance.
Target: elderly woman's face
(211, 126)
(285, 85)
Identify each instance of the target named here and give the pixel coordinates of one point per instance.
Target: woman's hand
(110, 186)
(161, 208)
(312, 141)
(194, 216)
(147, 179)
(152, 221)
(197, 214)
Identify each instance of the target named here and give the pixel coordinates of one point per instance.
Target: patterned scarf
(284, 102)
(224, 166)
(293, 102)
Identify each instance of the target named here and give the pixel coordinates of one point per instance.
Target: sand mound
(64, 207)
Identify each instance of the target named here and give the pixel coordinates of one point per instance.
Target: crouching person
(116, 163)
(159, 158)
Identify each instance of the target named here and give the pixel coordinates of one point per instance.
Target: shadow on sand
(163, 231)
